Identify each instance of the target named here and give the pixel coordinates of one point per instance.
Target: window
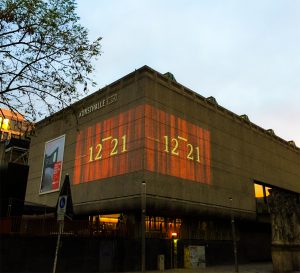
(259, 191)
(5, 124)
(15, 136)
(4, 136)
(261, 196)
(267, 191)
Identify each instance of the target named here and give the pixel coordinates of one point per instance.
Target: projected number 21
(114, 149)
(172, 146)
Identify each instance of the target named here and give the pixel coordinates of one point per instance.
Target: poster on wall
(52, 164)
(194, 257)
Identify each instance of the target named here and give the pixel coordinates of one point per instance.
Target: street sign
(62, 207)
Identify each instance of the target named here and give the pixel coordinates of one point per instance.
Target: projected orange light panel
(110, 147)
(176, 147)
(143, 137)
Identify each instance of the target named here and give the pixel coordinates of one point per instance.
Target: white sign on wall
(194, 257)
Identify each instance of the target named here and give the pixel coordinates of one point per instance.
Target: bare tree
(45, 56)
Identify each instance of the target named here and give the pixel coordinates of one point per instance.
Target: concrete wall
(91, 194)
(239, 152)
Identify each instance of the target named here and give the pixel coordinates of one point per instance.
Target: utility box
(161, 262)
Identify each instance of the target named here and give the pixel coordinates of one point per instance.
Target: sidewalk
(246, 268)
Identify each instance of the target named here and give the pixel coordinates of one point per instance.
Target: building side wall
(240, 154)
(93, 185)
(111, 148)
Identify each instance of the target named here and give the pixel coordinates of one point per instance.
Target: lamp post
(233, 237)
(143, 227)
(9, 207)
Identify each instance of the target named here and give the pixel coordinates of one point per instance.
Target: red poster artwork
(56, 175)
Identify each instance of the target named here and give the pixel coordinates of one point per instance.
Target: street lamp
(233, 237)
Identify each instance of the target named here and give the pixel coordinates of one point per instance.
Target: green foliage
(45, 56)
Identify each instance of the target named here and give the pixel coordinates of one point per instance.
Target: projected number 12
(97, 151)
(172, 145)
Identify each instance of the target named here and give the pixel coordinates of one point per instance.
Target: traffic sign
(62, 207)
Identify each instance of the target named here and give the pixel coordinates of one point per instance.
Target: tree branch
(21, 71)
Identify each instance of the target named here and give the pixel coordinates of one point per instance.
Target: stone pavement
(246, 268)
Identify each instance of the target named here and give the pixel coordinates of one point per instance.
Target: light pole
(143, 227)
(233, 237)
(9, 207)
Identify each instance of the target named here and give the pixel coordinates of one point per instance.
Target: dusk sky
(246, 54)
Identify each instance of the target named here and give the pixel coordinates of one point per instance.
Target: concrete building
(146, 147)
(14, 146)
(12, 125)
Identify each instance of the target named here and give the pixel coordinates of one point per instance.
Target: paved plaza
(248, 268)
(245, 268)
